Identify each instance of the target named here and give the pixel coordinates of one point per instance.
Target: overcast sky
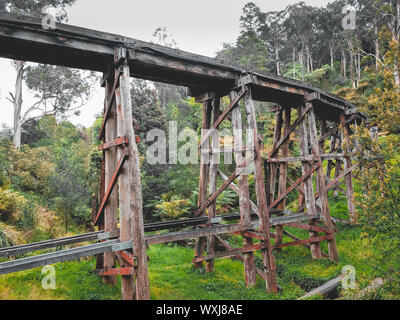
(197, 26)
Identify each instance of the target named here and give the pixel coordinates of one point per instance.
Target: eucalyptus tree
(50, 101)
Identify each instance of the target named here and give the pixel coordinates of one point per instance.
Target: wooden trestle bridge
(321, 118)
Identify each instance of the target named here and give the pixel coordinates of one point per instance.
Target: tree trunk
(376, 47)
(331, 54)
(18, 104)
(294, 63)
(344, 64)
(278, 69)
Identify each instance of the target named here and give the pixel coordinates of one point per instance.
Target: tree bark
(18, 104)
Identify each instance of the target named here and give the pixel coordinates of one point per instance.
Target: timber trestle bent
(305, 117)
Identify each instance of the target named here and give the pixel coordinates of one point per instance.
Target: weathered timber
(317, 239)
(283, 171)
(303, 178)
(192, 234)
(23, 38)
(111, 206)
(267, 254)
(47, 244)
(306, 245)
(323, 194)
(61, 256)
(134, 206)
(111, 185)
(221, 117)
(309, 198)
(326, 289)
(212, 211)
(243, 185)
(347, 164)
(203, 178)
(124, 271)
(114, 143)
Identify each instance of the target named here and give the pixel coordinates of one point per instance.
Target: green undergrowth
(173, 277)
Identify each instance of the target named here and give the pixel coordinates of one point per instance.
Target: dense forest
(50, 168)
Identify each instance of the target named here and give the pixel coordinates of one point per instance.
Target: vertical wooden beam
(283, 171)
(111, 209)
(132, 206)
(265, 227)
(244, 195)
(323, 194)
(213, 181)
(204, 177)
(272, 166)
(309, 199)
(128, 286)
(349, 178)
(338, 169)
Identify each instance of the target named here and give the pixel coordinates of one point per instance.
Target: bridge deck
(24, 38)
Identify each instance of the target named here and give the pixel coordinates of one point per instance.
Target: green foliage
(31, 169)
(28, 219)
(10, 202)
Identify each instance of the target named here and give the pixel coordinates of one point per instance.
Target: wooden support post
(244, 195)
(309, 199)
(273, 167)
(213, 181)
(204, 177)
(283, 171)
(265, 226)
(131, 206)
(347, 164)
(111, 159)
(323, 194)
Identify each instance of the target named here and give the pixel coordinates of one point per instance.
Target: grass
(173, 277)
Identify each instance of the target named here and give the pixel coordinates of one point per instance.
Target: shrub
(27, 220)
(9, 236)
(10, 201)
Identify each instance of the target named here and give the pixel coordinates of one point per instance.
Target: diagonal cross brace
(291, 188)
(290, 130)
(223, 116)
(111, 186)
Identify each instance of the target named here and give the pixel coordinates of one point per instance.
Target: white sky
(197, 26)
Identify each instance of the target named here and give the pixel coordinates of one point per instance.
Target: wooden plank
(325, 289)
(62, 256)
(114, 143)
(47, 244)
(124, 271)
(309, 240)
(304, 244)
(291, 159)
(193, 234)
